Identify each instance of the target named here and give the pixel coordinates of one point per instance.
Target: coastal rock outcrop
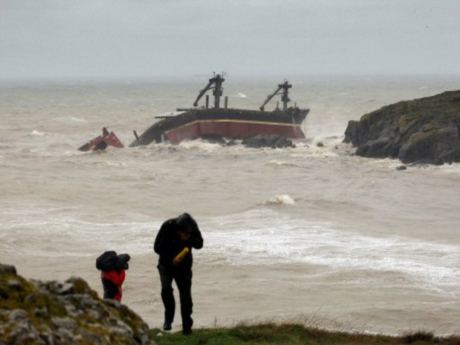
(34, 312)
(425, 130)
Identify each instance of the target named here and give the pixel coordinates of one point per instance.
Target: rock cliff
(425, 130)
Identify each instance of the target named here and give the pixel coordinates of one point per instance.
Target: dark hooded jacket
(168, 244)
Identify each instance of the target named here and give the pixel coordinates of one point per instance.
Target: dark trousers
(183, 280)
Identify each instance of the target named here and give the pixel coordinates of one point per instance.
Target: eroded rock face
(425, 130)
(33, 312)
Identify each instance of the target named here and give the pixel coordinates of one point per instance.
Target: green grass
(291, 334)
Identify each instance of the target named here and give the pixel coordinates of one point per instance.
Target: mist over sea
(311, 234)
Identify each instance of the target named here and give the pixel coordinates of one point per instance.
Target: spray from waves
(266, 236)
(282, 199)
(199, 144)
(241, 95)
(303, 148)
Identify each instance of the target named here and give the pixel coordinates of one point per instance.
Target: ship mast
(283, 90)
(215, 83)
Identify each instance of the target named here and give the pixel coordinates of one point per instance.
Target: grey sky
(148, 38)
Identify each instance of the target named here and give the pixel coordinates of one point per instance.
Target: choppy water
(311, 233)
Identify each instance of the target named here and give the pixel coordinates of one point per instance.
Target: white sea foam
(282, 199)
(200, 145)
(37, 133)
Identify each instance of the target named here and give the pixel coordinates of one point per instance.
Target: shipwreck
(217, 121)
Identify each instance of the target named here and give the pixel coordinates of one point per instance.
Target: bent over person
(174, 243)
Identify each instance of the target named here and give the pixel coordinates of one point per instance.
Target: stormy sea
(311, 234)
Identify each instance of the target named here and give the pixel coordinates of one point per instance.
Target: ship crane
(215, 84)
(283, 90)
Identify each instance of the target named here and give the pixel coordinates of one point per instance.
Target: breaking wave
(282, 199)
(37, 133)
(267, 236)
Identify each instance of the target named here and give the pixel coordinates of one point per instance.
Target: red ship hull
(224, 123)
(229, 128)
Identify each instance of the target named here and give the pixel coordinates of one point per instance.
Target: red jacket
(117, 278)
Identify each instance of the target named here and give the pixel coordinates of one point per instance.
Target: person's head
(185, 226)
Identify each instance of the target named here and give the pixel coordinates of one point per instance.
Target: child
(113, 273)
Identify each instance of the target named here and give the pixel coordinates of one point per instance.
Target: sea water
(309, 234)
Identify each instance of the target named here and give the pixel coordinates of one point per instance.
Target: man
(174, 243)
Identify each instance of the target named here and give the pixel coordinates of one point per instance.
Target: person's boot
(187, 327)
(167, 326)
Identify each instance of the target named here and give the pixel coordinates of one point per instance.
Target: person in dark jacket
(113, 272)
(174, 243)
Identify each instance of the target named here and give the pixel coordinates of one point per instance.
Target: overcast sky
(149, 38)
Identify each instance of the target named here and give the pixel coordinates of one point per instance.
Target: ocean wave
(259, 236)
(72, 236)
(268, 237)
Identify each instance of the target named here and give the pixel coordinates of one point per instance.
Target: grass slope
(290, 334)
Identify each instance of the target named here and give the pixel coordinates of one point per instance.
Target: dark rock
(14, 284)
(273, 141)
(424, 130)
(320, 144)
(7, 269)
(382, 147)
(401, 167)
(435, 145)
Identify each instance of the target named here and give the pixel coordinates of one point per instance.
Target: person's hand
(177, 261)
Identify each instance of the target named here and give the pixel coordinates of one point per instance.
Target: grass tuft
(419, 336)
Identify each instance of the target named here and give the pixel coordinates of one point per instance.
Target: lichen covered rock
(34, 312)
(425, 130)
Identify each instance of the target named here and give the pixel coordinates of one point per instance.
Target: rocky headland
(35, 312)
(425, 130)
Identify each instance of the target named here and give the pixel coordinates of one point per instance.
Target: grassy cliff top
(291, 334)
